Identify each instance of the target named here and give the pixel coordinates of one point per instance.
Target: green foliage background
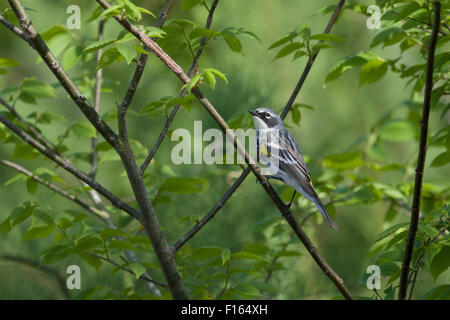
(360, 143)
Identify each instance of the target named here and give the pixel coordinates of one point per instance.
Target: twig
(183, 93)
(142, 277)
(421, 157)
(28, 126)
(219, 205)
(65, 164)
(20, 169)
(419, 261)
(13, 28)
(422, 22)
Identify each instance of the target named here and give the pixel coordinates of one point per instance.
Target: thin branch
(65, 164)
(219, 205)
(142, 277)
(419, 262)
(35, 264)
(35, 41)
(31, 129)
(421, 157)
(311, 60)
(422, 22)
(13, 28)
(98, 94)
(22, 170)
(174, 111)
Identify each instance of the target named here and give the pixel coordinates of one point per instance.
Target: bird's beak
(252, 112)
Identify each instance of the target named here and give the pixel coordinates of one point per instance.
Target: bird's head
(265, 118)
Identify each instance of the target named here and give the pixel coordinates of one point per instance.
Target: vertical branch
(174, 111)
(311, 60)
(98, 93)
(421, 156)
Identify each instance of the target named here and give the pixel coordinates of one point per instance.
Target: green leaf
(205, 253)
(397, 131)
(5, 62)
(91, 260)
(440, 262)
(347, 63)
(388, 37)
(154, 32)
(143, 10)
(390, 231)
(56, 253)
(6, 226)
(23, 211)
(132, 10)
(184, 185)
(97, 45)
(225, 255)
(25, 151)
(288, 49)
(121, 244)
(248, 256)
(209, 77)
(88, 242)
(257, 248)
(348, 160)
(38, 232)
(84, 129)
(109, 56)
(441, 159)
(110, 232)
(189, 4)
(406, 10)
(441, 292)
(38, 89)
(111, 11)
(195, 79)
(372, 71)
(326, 37)
(137, 268)
(232, 41)
(127, 51)
(31, 186)
(280, 42)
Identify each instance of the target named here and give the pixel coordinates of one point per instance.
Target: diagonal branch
(421, 156)
(142, 277)
(219, 205)
(65, 164)
(35, 41)
(246, 172)
(311, 60)
(183, 93)
(13, 28)
(32, 129)
(98, 213)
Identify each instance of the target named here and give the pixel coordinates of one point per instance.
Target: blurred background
(343, 112)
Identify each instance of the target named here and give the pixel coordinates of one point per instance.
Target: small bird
(276, 144)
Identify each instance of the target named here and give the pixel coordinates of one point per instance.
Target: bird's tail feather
(324, 213)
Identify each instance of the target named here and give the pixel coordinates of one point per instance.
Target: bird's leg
(290, 202)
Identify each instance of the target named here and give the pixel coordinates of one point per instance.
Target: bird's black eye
(268, 115)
